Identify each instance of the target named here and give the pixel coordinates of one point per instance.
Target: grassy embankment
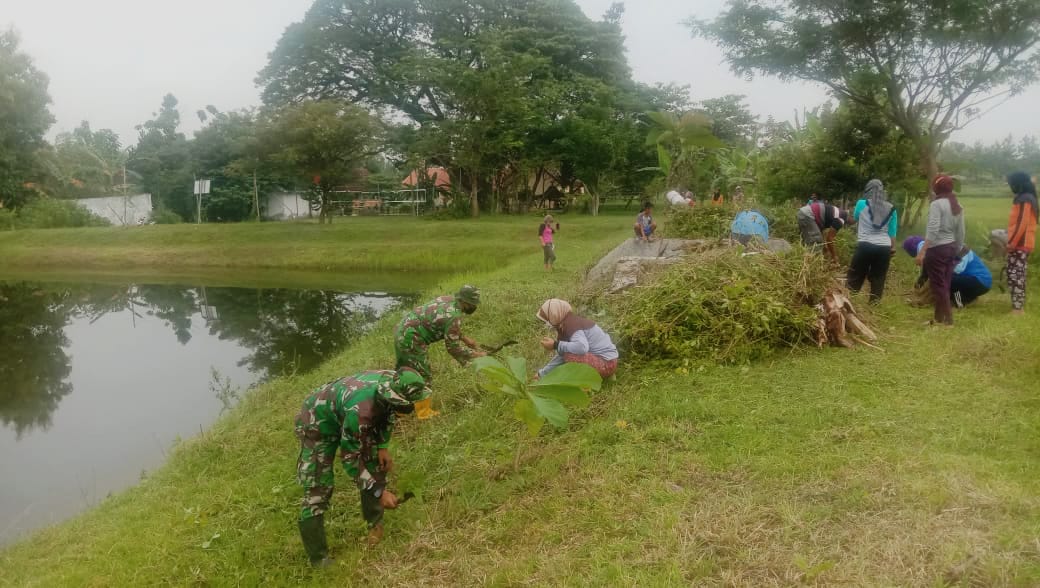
(915, 466)
(350, 244)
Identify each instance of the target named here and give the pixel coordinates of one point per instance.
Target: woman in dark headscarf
(1021, 236)
(878, 224)
(942, 245)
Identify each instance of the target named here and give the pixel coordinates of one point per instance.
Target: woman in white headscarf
(578, 340)
(875, 246)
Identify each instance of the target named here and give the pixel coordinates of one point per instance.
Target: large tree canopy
(24, 119)
(489, 87)
(394, 53)
(939, 63)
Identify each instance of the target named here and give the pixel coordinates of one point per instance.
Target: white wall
(120, 210)
(286, 207)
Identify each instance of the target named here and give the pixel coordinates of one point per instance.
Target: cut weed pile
(713, 222)
(725, 306)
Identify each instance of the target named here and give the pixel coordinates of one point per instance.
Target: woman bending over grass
(578, 340)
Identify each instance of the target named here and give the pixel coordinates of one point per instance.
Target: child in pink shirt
(545, 236)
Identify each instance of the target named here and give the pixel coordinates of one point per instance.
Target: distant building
(439, 175)
(285, 206)
(120, 210)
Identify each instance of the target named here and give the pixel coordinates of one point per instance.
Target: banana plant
(680, 141)
(542, 400)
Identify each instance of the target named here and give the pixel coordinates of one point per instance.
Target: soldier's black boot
(312, 532)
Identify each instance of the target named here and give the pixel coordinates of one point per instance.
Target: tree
(682, 143)
(33, 364)
(230, 150)
(731, 120)
(323, 144)
(163, 159)
(24, 119)
(88, 162)
(834, 152)
(938, 63)
(487, 85)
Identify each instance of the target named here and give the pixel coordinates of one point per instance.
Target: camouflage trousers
(412, 352)
(315, 472)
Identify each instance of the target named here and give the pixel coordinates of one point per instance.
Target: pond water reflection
(97, 381)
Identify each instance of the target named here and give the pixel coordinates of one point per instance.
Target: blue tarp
(750, 223)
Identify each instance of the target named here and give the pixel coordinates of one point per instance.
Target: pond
(98, 380)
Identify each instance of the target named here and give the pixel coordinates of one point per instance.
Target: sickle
(496, 348)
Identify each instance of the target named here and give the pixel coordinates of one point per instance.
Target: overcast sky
(111, 61)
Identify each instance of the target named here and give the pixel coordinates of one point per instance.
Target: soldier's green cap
(470, 294)
(407, 387)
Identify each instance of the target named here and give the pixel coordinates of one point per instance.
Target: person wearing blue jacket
(971, 277)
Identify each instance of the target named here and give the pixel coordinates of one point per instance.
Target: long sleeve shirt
(423, 325)
(350, 410)
(943, 226)
(594, 340)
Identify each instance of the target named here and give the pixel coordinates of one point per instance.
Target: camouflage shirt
(348, 409)
(440, 319)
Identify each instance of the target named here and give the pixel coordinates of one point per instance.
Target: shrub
(720, 306)
(47, 213)
(457, 208)
(166, 217)
(8, 219)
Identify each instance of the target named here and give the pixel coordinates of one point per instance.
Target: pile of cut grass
(724, 306)
(713, 222)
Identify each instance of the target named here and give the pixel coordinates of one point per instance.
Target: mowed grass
(916, 465)
(369, 244)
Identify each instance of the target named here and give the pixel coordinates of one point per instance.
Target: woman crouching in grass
(578, 340)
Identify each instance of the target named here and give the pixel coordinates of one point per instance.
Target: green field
(915, 465)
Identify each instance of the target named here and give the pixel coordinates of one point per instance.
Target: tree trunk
(325, 213)
(256, 197)
(930, 167)
(474, 204)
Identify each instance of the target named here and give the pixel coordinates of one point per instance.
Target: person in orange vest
(1021, 236)
(717, 199)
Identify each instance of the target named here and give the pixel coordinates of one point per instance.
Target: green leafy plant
(542, 400)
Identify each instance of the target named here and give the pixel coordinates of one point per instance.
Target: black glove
(920, 282)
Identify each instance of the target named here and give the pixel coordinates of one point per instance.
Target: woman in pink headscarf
(578, 340)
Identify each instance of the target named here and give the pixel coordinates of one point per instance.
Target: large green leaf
(499, 377)
(664, 159)
(551, 409)
(665, 120)
(487, 361)
(566, 394)
(525, 411)
(573, 374)
(518, 366)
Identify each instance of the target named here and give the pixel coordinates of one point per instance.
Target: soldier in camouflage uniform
(356, 415)
(423, 325)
